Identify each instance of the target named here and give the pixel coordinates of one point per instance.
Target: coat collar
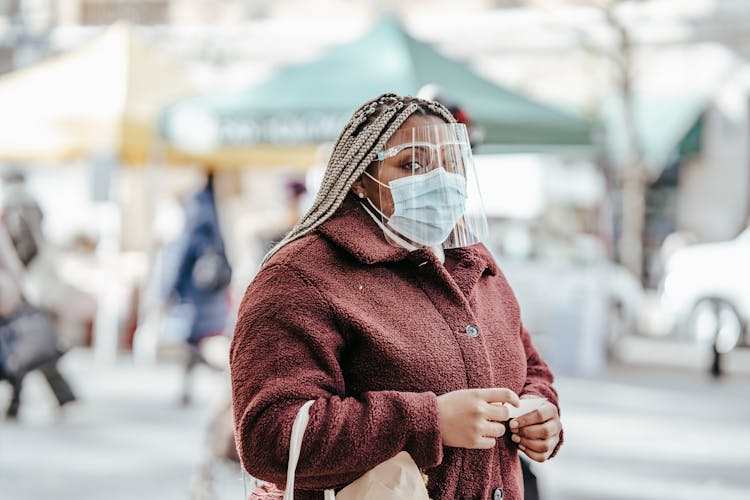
(353, 230)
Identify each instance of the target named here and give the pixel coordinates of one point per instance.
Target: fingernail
(522, 447)
(513, 424)
(516, 438)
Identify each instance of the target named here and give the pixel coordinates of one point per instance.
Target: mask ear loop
(376, 180)
(369, 202)
(389, 232)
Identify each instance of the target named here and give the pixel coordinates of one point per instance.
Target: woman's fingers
(485, 443)
(494, 429)
(537, 433)
(537, 445)
(470, 418)
(548, 429)
(498, 395)
(534, 455)
(497, 412)
(542, 414)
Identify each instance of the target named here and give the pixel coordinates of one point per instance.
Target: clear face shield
(428, 189)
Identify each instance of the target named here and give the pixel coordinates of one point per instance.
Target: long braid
(356, 148)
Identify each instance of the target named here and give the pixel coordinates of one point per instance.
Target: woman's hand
(538, 432)
(469, 419)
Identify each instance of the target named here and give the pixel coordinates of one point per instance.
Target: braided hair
(356, 148)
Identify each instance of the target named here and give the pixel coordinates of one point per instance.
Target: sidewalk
(680, 355)
(125, 439)
(652, 433)
(632, 432)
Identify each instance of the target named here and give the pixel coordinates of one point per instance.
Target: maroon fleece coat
(374, 333)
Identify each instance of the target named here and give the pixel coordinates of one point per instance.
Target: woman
(383, 307)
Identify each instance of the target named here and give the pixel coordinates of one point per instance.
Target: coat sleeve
(286, 350)
(539, 377)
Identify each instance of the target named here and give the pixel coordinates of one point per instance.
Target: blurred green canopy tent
(100, 99)
(668, 128)
(282, 120)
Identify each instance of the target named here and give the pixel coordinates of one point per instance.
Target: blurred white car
(705, 293)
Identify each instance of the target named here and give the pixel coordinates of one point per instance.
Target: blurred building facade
(503, 32)
(562, 51)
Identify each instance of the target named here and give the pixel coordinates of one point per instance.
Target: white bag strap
(295, 446)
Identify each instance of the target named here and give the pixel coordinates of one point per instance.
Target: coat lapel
(471, 264)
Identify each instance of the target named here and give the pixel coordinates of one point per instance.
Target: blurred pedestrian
(294, 192)
(201, 274)
(44, 288)
(35, 323)
(28, 339)
(10, 302)
(383, 308)
(22, 215)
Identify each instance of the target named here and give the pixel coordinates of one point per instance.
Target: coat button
(472, 330)
(498, 494)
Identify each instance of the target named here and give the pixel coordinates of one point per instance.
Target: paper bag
(398, 478)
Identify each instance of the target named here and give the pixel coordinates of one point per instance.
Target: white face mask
(426, 206)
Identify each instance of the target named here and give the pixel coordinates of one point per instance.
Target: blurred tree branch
(632, 179)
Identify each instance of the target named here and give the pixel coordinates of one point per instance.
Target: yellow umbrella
(100, 98)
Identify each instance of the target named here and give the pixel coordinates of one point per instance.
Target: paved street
(648, 433)
(126, 439)
(636, 432)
